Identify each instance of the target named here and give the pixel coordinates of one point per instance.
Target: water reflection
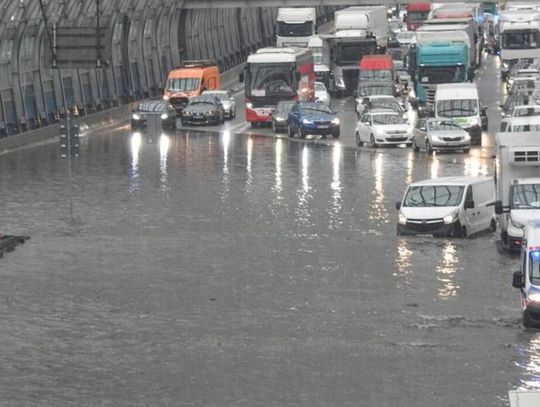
(164, 143)
(136, 140)
(529, 360)
(475, 167)
(336, 186)
(378, 207)
(249, 179)
(403, 264)
(446, 272)
(226, 141)
(410, 167)
(303, 210)
(434, 167)
(278, 151)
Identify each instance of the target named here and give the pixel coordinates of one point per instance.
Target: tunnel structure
(147, 38)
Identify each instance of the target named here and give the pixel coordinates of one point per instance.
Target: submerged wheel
(372, 141)
(429, 149)
(415, 147)
(359, 142)
(290, 131)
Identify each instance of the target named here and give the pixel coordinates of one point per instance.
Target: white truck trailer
(524, 398)
(295, 26)
(359, 31)
(518, 184)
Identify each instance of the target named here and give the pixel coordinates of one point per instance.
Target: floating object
(9, 242)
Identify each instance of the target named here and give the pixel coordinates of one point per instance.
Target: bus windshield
(295, 30)
(182, 84)
(270, 79)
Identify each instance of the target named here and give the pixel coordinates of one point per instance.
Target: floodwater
(224, 270)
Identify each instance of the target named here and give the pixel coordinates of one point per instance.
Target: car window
(365, 119)
(421, 124)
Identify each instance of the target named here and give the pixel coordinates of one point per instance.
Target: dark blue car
(312, 118)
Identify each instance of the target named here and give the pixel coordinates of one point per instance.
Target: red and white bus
(417, 13)
(275, 74)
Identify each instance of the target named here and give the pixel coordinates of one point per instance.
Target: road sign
(77, 47)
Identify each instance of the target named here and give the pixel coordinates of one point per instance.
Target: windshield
(201, 102)
(315, 110)
(352, 53)
(457, 107)
(374, 89)
(443, 125)
(388, 119)
(520, 39)
(320, 87)
(442, 74)
(434, 195)
(525, 196)
(526, 111)
(417, 16)
(284, 107)
(375, 75)
(152, 107)
(523, 84)
(294, 30)
(270, 80)
(182, 84)
(385, 104)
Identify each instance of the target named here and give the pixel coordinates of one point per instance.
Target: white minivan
(448, 206)
(527, 279)
(460, 102)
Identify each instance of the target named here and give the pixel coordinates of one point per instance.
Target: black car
(203, 110)
(281, 114)
(158, 110)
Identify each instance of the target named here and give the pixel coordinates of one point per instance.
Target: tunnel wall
(148, 38)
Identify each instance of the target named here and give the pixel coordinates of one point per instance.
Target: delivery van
(189, 80)
(448, 206)
(527, 279)
(460, 102)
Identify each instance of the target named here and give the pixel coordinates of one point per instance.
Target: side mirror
(518, 280)
(498, 207)
(241, 77)
(398, 205)
(469, 204)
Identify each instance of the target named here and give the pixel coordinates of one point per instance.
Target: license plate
(323, 127)
(424, 235)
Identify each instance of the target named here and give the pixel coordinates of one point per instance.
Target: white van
(527, 279)
(460, 102)
(449, 206)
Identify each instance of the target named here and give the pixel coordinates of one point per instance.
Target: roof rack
(196, 62)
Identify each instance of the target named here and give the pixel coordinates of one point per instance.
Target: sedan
(281, 114)
(227, 101)
(312, 118)
(440, 135)
(379, 102)
(383, 128)
(321, 94)
(203, 110)
(158, 110)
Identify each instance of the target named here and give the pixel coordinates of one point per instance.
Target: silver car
(440, 135)
(227, 101)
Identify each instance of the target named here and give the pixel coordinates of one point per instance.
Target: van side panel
(484, 195)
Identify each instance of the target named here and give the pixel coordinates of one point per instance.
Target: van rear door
(484, 193)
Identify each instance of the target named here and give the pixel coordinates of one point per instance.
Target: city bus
(275, 74)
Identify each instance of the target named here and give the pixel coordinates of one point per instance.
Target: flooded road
(230, 270)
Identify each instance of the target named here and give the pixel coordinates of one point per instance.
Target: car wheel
(527, 322)
(336, 134)
(254, 124)
(359, 142)
(415, 147)
(429, 149)
(466, 150)
(222, 118)
(234, 113)
(372, 142)
(492, 226)
(274, 129)
(290, 131)
(184, 122)
(301, 133)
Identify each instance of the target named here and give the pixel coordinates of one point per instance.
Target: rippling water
(206, 270)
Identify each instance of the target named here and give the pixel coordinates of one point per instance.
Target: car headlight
(448, 219)
(280, 119)
(166, 97)
(402, 219)
(335, 121)
(226, 105)
(516, 224)
(306, 121)
(211, 112)
(473, 121)
(505, 66)
(534, 297)
(249, 105)
(164, 116)
(136, 116)
(435, 138)
(187, 113)
(467, 137)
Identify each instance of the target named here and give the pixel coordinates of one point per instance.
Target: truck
(524, 398)
(276, 74)
(295, 26)
(462, 27)
(439, 62)
(417, 13)
(359, 31)
(519, 37)
(321, 59)
(377, 67)
(518, 185)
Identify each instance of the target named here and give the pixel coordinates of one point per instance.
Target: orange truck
(190, 79)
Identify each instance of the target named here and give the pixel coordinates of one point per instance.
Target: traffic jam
(405, 78)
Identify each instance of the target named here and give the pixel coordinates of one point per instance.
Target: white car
(520, 124)
(440, 135)
(376, 102)
(526, 111)
(321, 94)
(227, 101)
(383, 127)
